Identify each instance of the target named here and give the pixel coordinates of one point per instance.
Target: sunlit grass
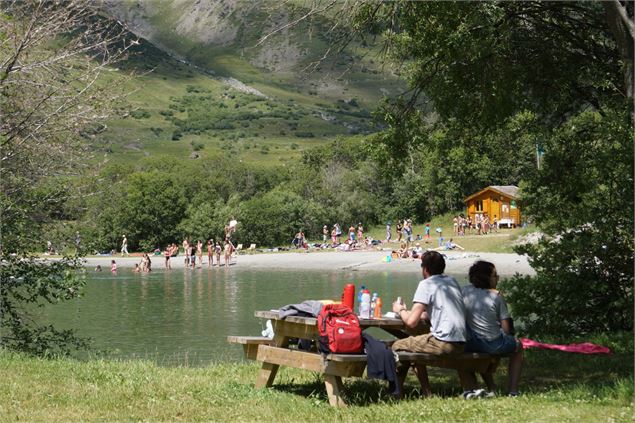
(555, 387)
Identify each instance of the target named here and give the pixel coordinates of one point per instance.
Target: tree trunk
(623, 29)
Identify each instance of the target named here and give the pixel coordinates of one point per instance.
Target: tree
(52, 58)
(275, 217)
(566, 70)
(583, 199)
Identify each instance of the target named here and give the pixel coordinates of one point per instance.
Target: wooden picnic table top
(382, 323)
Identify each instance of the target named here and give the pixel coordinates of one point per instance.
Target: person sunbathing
(450, 245)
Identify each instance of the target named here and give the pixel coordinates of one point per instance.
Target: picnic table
(276, 352)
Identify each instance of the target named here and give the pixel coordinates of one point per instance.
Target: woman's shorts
(504, 344)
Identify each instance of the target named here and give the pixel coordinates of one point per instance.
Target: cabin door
(505, 209)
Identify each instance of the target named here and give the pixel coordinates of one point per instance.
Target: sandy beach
(456, 262)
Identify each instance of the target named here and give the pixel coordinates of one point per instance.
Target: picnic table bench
(276, 352)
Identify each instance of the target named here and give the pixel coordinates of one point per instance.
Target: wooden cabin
(499, 202)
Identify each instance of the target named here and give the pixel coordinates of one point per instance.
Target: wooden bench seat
(335, 366)
(250, 344)
(477, 362)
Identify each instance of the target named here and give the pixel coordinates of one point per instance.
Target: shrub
(140, 114)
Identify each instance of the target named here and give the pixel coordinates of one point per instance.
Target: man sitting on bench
(437, 299)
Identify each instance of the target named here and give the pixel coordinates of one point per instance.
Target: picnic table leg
(334, 389)
(422, 375)
(267, 375)
(268, 371)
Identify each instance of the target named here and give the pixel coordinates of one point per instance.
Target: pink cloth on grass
(584, 348)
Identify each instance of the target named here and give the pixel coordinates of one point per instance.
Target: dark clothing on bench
(381, 363)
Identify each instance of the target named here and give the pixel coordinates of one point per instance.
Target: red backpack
(339, 330)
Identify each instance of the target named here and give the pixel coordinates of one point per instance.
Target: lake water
(183, 317)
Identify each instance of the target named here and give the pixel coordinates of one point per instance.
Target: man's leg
(488, 378)
(422, 374)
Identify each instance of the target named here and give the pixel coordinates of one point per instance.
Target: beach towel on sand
(583, 348)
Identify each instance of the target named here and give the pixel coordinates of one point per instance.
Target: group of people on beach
(355, 238)
(474, 318)
(480, 225)
(194, 252)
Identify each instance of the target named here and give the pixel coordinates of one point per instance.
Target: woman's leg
(514, 370)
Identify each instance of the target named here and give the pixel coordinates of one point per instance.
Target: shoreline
(507, 264)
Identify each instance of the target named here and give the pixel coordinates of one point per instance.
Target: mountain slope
(212, 91)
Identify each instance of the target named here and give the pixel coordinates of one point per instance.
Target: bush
(140, 114)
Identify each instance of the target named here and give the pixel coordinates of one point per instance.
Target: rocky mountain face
(197, 30)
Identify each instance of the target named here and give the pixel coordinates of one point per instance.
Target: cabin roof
(506, 190)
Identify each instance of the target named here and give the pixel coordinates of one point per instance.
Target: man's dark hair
(433, 261)
(481, 274)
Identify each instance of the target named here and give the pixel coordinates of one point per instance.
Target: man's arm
(413, 317)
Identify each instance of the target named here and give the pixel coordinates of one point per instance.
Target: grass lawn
(555, 387)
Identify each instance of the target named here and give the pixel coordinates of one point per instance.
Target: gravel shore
(456, 262)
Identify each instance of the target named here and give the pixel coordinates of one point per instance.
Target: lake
(183, 317)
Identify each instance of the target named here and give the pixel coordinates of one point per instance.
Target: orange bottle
(378, 307)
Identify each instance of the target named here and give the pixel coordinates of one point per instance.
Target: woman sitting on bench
(489, 325)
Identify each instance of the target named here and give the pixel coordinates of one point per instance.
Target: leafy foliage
(475, 61)
(51, 56)
(583, 197)
(275, 217)
(28, 283)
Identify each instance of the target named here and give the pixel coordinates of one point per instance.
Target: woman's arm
(506, 325)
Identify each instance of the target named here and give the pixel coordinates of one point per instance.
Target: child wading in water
(210, 253)
(229, 248)
(218, 249)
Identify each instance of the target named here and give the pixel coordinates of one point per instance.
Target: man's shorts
(504, 344)
(428, 344)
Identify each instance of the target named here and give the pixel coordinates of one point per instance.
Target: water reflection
(184, 316)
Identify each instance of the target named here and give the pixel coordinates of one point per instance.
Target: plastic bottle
(362, 288)
(364, 305)
(373, 303)
(378, 307)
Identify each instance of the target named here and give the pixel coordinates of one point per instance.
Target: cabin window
(479, 205)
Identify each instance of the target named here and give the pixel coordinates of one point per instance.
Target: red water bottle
(348, 295)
